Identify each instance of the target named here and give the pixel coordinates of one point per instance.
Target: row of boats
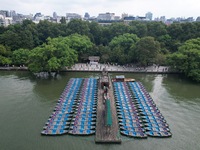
(138, 115)
(75, 112)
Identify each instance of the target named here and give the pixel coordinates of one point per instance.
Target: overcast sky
(168, 8)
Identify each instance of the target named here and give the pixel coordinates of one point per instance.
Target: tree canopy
(4, 56)
(187, 59)
(20, 57)
(122, 48)
(140, 42)
(52, 57)
(81, 44)
(147, 50)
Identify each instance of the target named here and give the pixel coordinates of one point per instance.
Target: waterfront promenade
(118, 68)
(84, 67)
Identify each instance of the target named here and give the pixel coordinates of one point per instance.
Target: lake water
(26, 103)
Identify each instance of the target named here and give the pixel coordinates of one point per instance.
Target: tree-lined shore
(50, 47)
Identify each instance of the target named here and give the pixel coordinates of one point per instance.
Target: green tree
(52, 57)
(95, 32)
(189, 31)
(117, 29)
(160, 59)
(139, 28)
(147, 50)
(31, 32)
(4, 56)
(20, 57)
(10, 39)
(106, 36)
(78, 26)
(47, 29)
(81, 44)
(5, 60)
(104, 53)
(123, 47)
(175, 30)
(2, 29)
(187, 59)
(20, 36)
(156, 29)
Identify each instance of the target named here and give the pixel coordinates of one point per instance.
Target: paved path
(13, 68)
(118, 68)
(111, 68)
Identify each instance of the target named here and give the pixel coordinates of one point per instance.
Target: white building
(149, 16)
(8, 21)
(70, 16)
(106, 16)
(2, 20)
(5, 21)
(117, 18)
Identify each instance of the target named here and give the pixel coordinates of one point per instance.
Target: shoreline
(81, 67)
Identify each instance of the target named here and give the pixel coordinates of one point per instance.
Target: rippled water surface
(26, 103)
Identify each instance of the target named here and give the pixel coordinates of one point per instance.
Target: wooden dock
(106, 134)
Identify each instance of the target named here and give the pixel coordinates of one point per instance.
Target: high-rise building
(12, 13)
(124, 15)
(149, 16)
(86, 16)
(162, 18)
(198, 19)
(5, 13)
(55, 15)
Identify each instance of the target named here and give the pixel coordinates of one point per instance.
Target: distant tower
(55, 15)
(124, 15)
(5, 13)
(163, 18)
(86, 16)
(149, 16)
(12, 13)
(198, 19)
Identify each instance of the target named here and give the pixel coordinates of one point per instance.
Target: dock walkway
(106, 134)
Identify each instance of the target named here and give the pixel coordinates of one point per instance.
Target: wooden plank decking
(106, 134)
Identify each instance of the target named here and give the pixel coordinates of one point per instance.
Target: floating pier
(107, 130)
(106, 108)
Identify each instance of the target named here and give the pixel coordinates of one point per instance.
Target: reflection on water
(27, 102)
(52, 88)
(182, 89)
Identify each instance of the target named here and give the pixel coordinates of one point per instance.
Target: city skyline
(180, 8)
